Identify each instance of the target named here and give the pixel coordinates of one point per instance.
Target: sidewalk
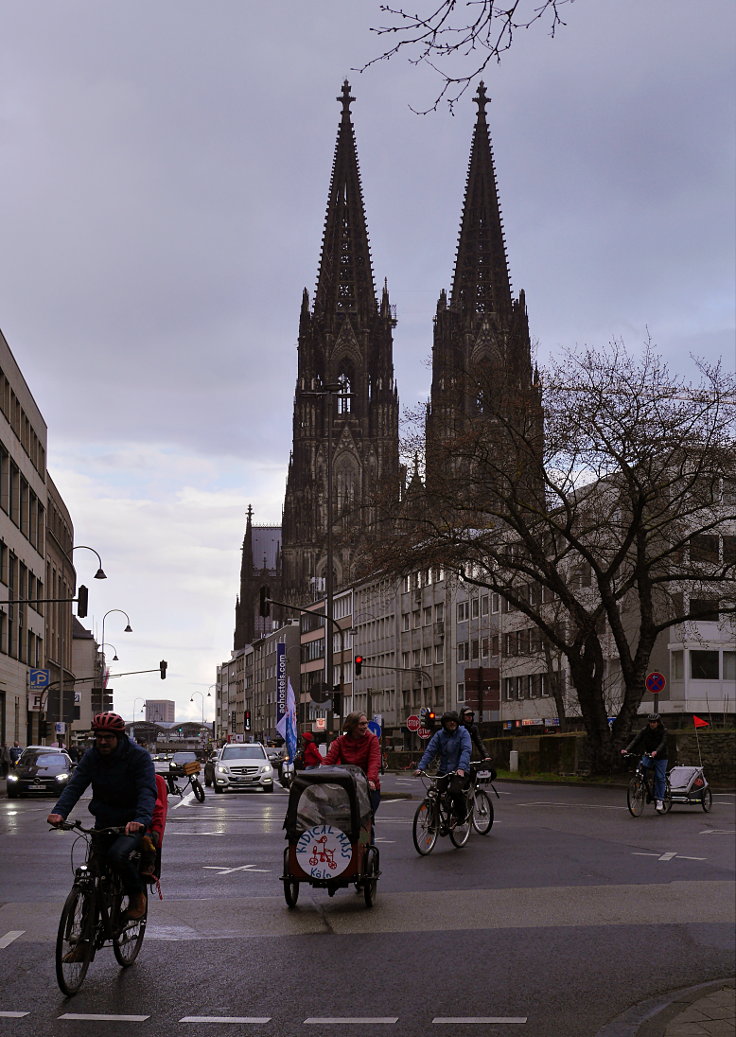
(703, 1011)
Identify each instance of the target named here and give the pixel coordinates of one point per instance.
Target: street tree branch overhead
(459, 41)
(614, 525)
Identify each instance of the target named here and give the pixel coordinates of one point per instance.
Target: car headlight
(12, 777)
(267, 770)
(62, 777)
(222, 770)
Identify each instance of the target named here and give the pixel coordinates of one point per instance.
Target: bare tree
(471, 34)
(620, 525)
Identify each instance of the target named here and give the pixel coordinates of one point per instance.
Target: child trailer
(329, 828)
(689, 785)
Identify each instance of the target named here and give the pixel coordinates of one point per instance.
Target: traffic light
(264, 605)
(358, 665)
(82, 601)
(337, 703)
(430, 716)
(162, 666)
(247, 720)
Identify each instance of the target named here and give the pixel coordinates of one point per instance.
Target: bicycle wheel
(128, 934)
(197, 790)
(667, 801)
(74, 941)
(707, 800)
(370, 882)
(460, 834)
(482, 812)
(635, 794)
(425, 828)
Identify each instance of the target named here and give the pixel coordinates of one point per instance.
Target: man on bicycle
(467, 719)
(652, 742)
(123, 782)
(453, 746)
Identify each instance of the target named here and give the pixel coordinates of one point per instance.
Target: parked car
(39, 772)
(209, 767)
(240, 766)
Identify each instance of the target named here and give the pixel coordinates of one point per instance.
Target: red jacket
(312, 755)
(363, 751)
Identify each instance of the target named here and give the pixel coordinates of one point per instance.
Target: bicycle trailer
(689, 785)
(329, 828)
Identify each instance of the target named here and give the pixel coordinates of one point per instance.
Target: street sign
(655, 682)
(60, 727)
(424, 732)
(413, 722)
(39, 678)
(375, 727)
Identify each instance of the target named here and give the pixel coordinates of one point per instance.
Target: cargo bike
(329, 828)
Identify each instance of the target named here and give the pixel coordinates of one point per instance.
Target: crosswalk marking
(10, 937)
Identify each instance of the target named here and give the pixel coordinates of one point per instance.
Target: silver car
(242, 766)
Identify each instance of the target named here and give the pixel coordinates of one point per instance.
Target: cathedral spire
(481, 280)
(345, 280)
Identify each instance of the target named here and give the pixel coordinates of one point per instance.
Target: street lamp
(128, 629)
(136, 700)
(99, 575)
(201, 695)
(102, 649)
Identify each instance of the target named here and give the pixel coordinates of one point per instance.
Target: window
(475, 608)
(729, 666)
(427, 655)
(474, 648)
(427, 616)
(484, 604)
(729, 550)
(495, 603)
(415, 658)
(405, 620)
(676, 666)
(704, 548)
(462, 611)
(508, 688)
(704, 665)
(543, 684)
(484, 645)
(439, 611)
(462, 652)
(417, 618)
(438, 653)
(520, 686)
(704, 609)
(461, 692)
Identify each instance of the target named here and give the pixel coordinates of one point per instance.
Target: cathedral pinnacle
(345, 99)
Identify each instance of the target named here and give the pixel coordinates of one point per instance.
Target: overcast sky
(165, 167)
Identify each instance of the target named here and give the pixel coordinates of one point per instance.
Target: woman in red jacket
(312, 755)
(360, 747)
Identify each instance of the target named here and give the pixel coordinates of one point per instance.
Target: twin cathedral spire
(345, 419)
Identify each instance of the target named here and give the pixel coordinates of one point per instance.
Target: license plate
(484, 774)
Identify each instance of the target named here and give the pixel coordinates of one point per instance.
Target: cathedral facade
(345, 444)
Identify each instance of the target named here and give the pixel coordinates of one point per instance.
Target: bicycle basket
(191, 768)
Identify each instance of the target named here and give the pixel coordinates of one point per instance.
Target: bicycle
(433, 817)
(94, 913)
(641, 789)
(481, 805)
(191, 773)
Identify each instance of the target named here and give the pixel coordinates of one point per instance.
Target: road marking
(225, 1019)
(718, 831)
(243, 867)
(13, 1015)
(9, 937)
(480, 1019)
(349, 1020)
(81, 1017)
(670, 856)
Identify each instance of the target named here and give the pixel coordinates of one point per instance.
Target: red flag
(699, 722)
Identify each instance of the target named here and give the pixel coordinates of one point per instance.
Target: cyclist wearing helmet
(453, 746)
(467, 719)
(652, 741)
(123, 782)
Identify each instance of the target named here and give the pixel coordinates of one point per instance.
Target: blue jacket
(123, 785)
(453, 749)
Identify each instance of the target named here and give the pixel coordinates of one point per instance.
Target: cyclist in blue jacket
(453, 746)
(123, 782)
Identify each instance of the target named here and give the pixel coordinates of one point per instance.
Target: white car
(242, 765)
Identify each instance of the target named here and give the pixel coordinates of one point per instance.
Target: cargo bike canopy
(336, 796)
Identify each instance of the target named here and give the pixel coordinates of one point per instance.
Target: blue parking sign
(39, 678)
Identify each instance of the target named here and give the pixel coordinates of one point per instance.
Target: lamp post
(99, 575)
(329, 390)
(128, 629)
(201, 695)
(115, 656)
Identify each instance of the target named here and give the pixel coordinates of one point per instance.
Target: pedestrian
(312, 755)
(15, 753)
(4, 760)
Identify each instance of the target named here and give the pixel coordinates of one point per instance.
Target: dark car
(40, 772)
(177, 761)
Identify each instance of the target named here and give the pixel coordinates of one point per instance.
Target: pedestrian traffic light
(82, 601)
(358, 665)
(162, 667)
(247, 720)
(264, 606)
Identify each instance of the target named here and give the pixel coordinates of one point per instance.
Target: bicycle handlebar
(77, 826)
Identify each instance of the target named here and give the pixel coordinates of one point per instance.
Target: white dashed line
(349, 1020)
(13, 1015)
(481, 1020)
(81, 1017)
(225, 1019)
(9, 937)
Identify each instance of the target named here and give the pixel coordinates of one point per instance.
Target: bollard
(514, 760)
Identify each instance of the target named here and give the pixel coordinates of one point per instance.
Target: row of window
(526, 686)
(704, 665)
(20, 423)
(20, 502)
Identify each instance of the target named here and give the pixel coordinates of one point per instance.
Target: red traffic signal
(358, 665)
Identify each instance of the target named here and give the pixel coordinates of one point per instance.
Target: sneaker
(77, 953)
(660, 806)
(136, 906)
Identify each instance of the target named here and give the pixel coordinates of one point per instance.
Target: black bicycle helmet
(653, 716)
(450, 715)
(108, 722)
